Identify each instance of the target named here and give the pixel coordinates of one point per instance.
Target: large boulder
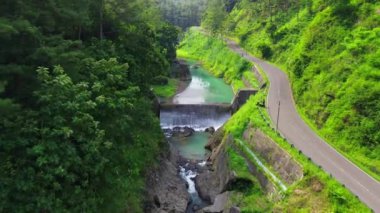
(220, 204)
(182, 132)
(215, 140)
(210, 130)
(216, 180)
(234, 209)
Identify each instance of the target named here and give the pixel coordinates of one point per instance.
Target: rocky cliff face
(218, 177)
(213, 185)
(166, 191)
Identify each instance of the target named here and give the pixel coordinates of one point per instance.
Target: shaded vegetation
(183, 13)
(78, 134)
(247, 193)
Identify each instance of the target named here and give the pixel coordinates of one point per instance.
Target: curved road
(299, 133)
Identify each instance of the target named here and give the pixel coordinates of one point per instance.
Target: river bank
(179, 80)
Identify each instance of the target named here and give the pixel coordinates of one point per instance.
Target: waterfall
(197, 117)
(196, 202)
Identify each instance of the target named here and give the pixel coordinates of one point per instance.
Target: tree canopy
(183, 13)
(77, 129)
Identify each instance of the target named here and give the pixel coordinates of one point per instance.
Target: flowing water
(188, 176)
(191, 118)
(203, 89)
(192, 147)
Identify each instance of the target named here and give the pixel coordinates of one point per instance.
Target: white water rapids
(194, 120)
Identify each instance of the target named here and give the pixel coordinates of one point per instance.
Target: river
(204, 88)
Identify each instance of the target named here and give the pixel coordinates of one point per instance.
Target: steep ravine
(191, 179)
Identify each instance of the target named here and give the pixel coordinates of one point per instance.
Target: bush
(266, 50)
(160, 80)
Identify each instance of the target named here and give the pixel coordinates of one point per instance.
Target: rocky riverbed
(172, 184)
(180, 182)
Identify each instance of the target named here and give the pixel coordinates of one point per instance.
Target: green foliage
(168, 90)
(332, 197)
(167, 36)
(216, 57)
(79, 134)
(183, 13)
(251, 196)
(83, 145)
(214, 15)
(331, 52)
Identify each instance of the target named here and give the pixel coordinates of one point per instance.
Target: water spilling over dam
(196, 116)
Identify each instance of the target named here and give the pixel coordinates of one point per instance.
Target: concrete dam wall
(196, 116)
(201, 116)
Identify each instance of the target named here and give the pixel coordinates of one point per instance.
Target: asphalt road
(297, 132)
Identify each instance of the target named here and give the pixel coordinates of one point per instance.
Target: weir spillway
(201, 116)
(196, 116)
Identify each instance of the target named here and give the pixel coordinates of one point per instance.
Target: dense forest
(330, 50)
(183, 13)
(77, 129)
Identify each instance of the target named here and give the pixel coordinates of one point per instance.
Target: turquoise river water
(204, 88)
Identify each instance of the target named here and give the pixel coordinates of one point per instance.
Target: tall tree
(215, 15)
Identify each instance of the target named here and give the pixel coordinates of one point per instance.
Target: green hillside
(330, 50)
(301, 196)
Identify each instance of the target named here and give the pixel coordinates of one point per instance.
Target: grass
(166, 91)
(252, 198)
(235, 163)
(353, 159)
(265, 168)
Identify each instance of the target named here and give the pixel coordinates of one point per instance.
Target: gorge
(190, 123)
